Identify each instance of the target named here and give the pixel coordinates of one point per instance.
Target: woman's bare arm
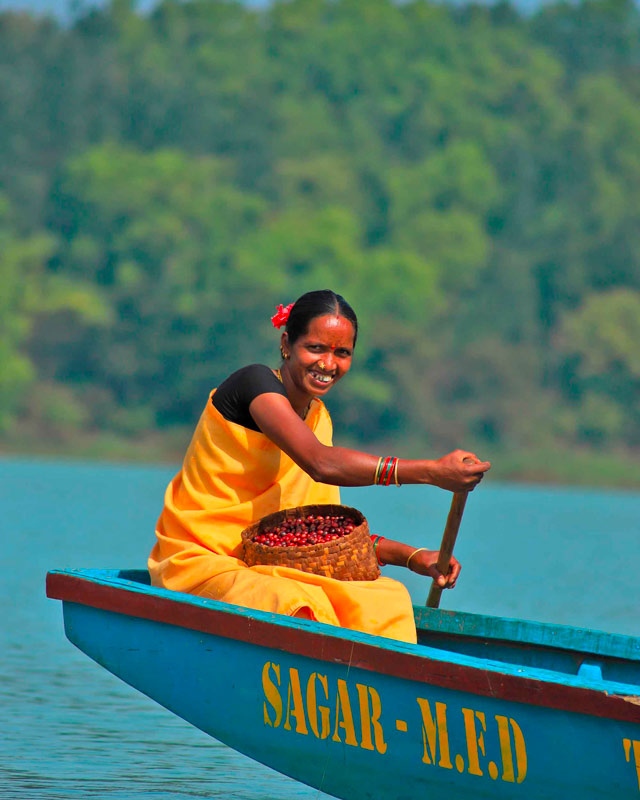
(420, 560)
(345, 467)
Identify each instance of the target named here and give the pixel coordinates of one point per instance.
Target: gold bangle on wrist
(413, 554)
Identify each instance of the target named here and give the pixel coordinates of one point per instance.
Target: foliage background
(468, 177)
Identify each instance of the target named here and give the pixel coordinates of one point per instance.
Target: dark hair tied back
(318, 304)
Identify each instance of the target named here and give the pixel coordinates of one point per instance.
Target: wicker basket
(348, 558)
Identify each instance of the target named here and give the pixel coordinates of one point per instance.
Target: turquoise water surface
(71, 730)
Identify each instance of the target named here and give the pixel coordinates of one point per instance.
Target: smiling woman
(263, 444)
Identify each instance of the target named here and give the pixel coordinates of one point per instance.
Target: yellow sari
(231, 477)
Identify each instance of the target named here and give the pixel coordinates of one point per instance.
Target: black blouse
(234, 395)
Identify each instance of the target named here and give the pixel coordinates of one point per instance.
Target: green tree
(31, 294)
(598, 345)
(158, 233)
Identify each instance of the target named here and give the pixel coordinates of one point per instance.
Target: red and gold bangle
(385, 472)
(376, 542)
(392, 467)
(386, 469)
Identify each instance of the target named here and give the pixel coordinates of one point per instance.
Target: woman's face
(321, 356)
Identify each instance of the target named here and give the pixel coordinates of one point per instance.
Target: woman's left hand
(424, 563)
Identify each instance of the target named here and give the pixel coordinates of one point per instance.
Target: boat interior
(593, 655)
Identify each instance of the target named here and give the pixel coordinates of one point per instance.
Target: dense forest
(467, 177)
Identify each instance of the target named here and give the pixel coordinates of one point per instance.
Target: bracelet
(386, 469)
(413, 554)
(376, 542)
(392, 465)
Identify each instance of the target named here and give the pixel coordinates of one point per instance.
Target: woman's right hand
(459, 471)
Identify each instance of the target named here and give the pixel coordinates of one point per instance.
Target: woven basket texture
(347, 558)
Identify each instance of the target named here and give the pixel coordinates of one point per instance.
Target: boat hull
(358, 716)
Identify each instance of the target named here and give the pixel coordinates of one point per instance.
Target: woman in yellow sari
(264, 443)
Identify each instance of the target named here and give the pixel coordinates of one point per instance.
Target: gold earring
(284, 355)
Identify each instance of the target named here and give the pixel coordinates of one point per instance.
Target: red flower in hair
(281, 316)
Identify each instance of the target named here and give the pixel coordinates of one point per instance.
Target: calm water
(71, 730)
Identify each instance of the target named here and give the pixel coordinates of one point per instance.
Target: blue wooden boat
(481, 707)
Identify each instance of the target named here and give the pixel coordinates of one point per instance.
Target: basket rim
(269, 519)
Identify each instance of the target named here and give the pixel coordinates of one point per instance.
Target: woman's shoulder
(249, 376)
(234, 395)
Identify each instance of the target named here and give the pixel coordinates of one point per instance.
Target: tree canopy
(467, 177)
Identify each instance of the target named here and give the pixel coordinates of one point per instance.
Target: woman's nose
(327, 362)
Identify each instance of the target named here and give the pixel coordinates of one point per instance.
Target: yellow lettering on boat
(431, 730)
(313, 708)
(475, 740)
(508, 772)
(370, 718)
(628, 744)
(344, 717)
(295, 694)
(271, 694)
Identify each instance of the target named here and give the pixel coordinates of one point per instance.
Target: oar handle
(448, 542)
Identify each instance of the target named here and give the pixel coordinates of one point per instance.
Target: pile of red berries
(301, 531)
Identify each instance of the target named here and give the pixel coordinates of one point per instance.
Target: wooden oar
(448, 541)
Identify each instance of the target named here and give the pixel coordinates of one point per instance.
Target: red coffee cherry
(303, 531)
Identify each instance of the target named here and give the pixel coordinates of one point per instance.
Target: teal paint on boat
(533, 644)
(480, 707)
(538, 633)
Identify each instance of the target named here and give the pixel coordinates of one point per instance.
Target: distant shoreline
(544, 466)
